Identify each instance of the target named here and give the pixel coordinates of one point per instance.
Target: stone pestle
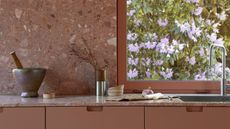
(16, 60)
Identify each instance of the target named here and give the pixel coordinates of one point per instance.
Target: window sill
(189, 87)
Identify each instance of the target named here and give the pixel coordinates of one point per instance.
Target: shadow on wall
(51, 82)
(71, 84)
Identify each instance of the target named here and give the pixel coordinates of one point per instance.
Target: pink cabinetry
(22, 118)
(187, 118)
(95, 117)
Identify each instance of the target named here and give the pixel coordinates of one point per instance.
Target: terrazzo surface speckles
(69, 38)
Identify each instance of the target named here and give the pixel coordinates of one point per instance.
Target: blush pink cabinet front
(187, 118)
(95, 118)
(22, 118)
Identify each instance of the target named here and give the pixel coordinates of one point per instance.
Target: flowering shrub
(169, 39)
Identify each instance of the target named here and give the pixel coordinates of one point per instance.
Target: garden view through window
(170, 39)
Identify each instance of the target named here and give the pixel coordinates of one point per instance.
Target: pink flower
(200, 76)
(148, 74)
(162, 45)
(137, 22)
(201, 51)
(191, 36)
(129, 2)
(222, 16)
(133, 48)
(175, 42)
(198, 11)
(150, 45)
(131, 12)
(219, 41)
(159, 62)
(164, 41)
(133, 61)
(209, 22)
(194, 32)
(181, 46)
(132, 73)
(131, 36)
(184, 27)
(154, 36)
(167, 74)
(192, 1)
(146, 61)
(170, 49)
(192, 60)
(213, 38)
(162, 23)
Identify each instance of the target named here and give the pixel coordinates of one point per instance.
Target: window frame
(158, 86)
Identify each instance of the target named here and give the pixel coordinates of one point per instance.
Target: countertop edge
(84, 101)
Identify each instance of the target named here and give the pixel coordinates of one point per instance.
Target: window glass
(170, 39)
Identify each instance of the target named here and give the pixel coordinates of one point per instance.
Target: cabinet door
(22, 118)
(187, 118)
(95, 117)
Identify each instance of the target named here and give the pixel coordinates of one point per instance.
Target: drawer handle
(194, 109)
(94, 108)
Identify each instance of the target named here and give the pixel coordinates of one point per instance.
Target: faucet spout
(224, 54)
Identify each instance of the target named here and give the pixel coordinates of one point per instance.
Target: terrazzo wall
(68, 37)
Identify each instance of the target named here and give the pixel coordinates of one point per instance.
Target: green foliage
(175, 32)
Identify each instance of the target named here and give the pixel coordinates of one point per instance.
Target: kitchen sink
(205, 98)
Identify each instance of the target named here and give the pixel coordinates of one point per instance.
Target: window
(164, 44)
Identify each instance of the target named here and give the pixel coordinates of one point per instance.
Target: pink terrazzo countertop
(17, 101)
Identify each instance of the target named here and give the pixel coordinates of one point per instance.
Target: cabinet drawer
(187, 118)
(22, 118)
(95, 117)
